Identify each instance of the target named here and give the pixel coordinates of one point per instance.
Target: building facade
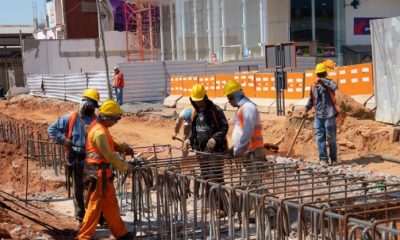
(234, 29)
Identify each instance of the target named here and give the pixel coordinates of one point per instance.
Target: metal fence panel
(74, 83)
(386, 59)
(98, 80)
(54, 86)
(34, 83)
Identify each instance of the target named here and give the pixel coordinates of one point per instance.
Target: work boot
(128, 236)
(333, 163)
(102, 221)
(323, 163)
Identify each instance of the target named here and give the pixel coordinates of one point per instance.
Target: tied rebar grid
(188, 198)
(39, 149)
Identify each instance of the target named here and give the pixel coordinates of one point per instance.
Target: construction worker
(70, 130)
(119, 84)
(247, 132)
(100, 155)
(209, 130)
(322, 98)
(209, 124)
(185, 119)
(247, 138)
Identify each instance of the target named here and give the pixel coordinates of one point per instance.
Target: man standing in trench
(70, 130)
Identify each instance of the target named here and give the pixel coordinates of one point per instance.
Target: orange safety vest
(256, 140)
(93, 154)
(119, 80)
(71, 121)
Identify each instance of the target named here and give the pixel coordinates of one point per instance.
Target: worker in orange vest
(119, 84)
(70, 130)
(247, 139)
(247, 132)
(100, 156)
(322, 98)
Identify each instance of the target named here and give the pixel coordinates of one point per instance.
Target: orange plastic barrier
(356, 79)
(248, 83)
(176, 85)
(265, 85)
(208, 81)
(295, 85)
(220, 81)
(352, 80)
(187, 83)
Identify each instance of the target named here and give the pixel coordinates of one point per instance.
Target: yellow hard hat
(231, 87)
(198, 92)
(320, 68)
(110, 107)
(92, 94)
(330, 63)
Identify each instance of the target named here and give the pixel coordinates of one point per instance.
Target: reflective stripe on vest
(93, 154)
(256, 140)
(71, 122)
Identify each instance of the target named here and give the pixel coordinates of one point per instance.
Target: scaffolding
(141, 26)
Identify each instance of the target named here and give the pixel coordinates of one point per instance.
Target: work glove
(186, 145)
(130, 168)
(128, 150)
(67, 143)
(211, 145)
(304, 115)
(229, 151)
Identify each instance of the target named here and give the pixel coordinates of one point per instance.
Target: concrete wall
(368, 9)
(72, 56)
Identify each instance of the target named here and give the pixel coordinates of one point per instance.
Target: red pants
(109, 206)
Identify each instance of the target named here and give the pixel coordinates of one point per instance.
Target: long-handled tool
(196, 151)
(297, 135)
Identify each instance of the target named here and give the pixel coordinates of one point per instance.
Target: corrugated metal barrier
(67, 87)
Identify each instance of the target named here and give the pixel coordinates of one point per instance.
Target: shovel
(297, 135)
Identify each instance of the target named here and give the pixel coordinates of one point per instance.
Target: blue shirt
(79, 131)
(324, 107)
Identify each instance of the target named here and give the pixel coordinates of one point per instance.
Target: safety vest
(71, 122)
(256, 140)
(93, 154)
(119, 80)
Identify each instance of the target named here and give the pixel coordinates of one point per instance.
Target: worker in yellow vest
(70, 130)
(100, 156)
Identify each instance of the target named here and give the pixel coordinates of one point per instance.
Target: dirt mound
(351, 107)
(355, 138)
(32, 103)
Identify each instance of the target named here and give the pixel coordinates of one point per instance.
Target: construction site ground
(360, 142)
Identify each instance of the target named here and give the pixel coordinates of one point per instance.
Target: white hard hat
(115, 68)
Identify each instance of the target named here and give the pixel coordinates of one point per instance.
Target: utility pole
(101, 37)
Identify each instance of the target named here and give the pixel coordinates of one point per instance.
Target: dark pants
(76, 160)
